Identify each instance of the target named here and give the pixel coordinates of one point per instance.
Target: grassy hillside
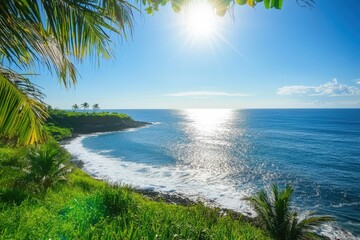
(76, 206)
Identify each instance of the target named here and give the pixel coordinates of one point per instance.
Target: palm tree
(53, 33)
(48, 164)
(95, 107)
(280, 221)
(75, 107)
(84, 105)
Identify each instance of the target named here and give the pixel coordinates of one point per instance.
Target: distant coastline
(65, 125)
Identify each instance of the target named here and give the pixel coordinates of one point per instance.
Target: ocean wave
(345, 204)
(334, 232)
(105, 151)
(193, 183)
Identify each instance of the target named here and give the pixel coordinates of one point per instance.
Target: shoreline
(159, 196)
(175, 198)
(333, 233)
(183, 200)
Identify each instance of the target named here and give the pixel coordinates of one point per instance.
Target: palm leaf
(279, 221)
(53, 33)
(22, 111)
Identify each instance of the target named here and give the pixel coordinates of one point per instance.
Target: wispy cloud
(207, 94)
(332, 88)
(358, 81)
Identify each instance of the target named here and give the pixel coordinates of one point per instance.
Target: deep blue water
(223, 155)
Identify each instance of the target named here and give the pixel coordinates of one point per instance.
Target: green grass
(85, 208)
(80, 113)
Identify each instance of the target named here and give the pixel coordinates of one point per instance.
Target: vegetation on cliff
(64, 124)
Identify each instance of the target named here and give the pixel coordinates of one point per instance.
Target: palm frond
(312, 222)
(53, 33)
(280, 221)
(56, 32)
(48, 164)
(22, 111)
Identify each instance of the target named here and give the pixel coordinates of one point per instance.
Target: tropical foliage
(55, 34)
(57, 132)
(69, 114)
(21, 108)
(48, 164)
(84, 106)
(96, 107)
(75, 107)
(220, 6)
(80, 122)
(275, 215)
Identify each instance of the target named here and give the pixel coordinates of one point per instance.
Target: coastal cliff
(65, 124)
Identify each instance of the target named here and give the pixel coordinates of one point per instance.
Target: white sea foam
(106, 151)
(193, 183)
(334, 233)
(346, 204)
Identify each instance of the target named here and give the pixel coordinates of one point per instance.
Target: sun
(200, 20)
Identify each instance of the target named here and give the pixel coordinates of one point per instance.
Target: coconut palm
(280, 221)
(95, 107)
(75, 107)
(53, 33)
(84, 105)
(48, 164)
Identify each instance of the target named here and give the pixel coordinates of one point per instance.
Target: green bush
(13, 157)
(118, 201)
(64, 114)
(48, 164)
(280, 221)
(12, 196)
(59, 133)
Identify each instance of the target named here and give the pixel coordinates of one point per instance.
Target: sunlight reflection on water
(210, 140)
(208, 122)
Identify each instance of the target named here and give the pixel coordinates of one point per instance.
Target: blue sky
(290, 58)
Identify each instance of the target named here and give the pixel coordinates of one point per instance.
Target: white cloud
(289, 90)
(358, 81)
(207, 94)
(332, 88)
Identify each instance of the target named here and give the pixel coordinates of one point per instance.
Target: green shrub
(13, 157)
(118, 201)
(280, 221)
(12, 196)
(48, 164)
(58, 133)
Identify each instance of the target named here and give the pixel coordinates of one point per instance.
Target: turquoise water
(223, 155)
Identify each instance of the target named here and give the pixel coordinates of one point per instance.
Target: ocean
(221, 155)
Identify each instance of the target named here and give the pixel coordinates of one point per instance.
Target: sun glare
(201, 27)
(200, 20)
